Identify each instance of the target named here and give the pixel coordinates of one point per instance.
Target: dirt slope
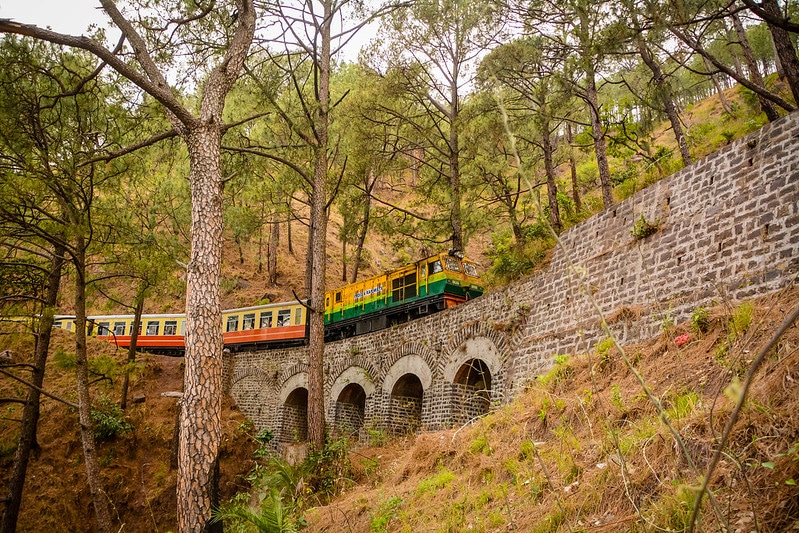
(585, 450)
(135, 467)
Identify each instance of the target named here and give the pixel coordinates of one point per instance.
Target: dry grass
(584, 450)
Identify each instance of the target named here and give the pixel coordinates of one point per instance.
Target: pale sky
(64, 16)
(75, 16)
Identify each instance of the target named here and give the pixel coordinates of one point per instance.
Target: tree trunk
(364, 227)
(274, 243)
(98, 494)
(456, 217)
(573, 168)
(134, 337)
(30, 413)
(343, 257)
(667, 100)
(724, 104)
(201, 405)
(784, 48)
(309, 257)
(598, 134)
(754, 72)
(316, 347)
(552, 189)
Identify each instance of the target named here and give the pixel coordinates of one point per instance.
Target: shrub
(643, 228)
(109, 420)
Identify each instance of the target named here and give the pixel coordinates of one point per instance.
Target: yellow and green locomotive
(416, 290)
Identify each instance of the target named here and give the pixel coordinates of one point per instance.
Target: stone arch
(254, 391)
(403, 388)
(348, 396)
(471, 376)
(409, 364)
(417, 350)
(294, 409)
(364, 362)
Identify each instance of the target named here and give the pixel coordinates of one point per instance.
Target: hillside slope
(585, 450)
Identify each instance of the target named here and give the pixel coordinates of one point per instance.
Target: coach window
(249, 321)
(131, 328)
(423, 271)
(232, 323)
(104, 328)
(119, 328)
(298, 316)
(152, 327)
(284, 318)
(266, 319)
(182, 327)
(171, 327)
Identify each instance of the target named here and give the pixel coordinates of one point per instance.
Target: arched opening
(350, 409)
(405, 408)
(294, 427)
(471, 390)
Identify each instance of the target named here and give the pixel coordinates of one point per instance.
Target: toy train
(413, 291)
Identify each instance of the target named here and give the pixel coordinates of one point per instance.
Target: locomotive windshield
(470, 269)
(452, 263)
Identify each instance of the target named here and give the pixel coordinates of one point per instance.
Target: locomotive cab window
(119, 328)
(423, 271)
(452, 263)
(152, 327)
(284, 318)
(171, 327)
(266, 319)
(470, 269)
(232, 323)
(338, 297)
(249, 321)
(403, 287)
(435, 267)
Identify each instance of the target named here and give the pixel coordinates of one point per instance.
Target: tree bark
(573, 169)
(598, 135)
(784, 48)
(364, 227)
(667, 100)
(724, 104)
(134, 337)
(316, 348)
(274, 243)
(456, 216)
(754, 72)
(201, 405)
(99, 496)
(552, 189)
(30, 413)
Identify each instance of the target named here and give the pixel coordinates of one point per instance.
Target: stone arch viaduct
(728, 230)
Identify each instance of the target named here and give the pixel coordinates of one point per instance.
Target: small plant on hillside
(603, 351)
(700, 320)
(741, 319)
(644, 228)
(384, 514)
(560, 371)
(109, 420)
